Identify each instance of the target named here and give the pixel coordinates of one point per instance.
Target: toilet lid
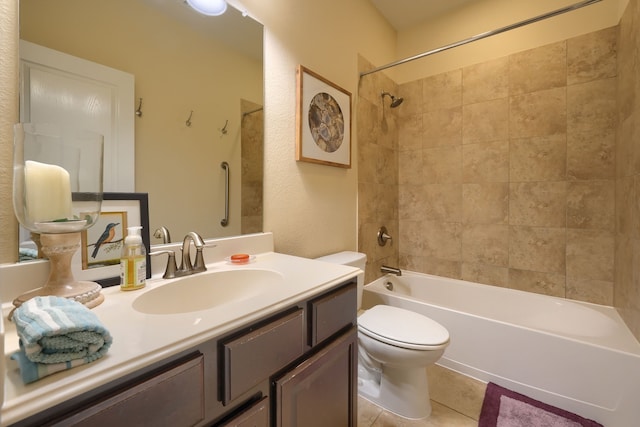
(402, 328)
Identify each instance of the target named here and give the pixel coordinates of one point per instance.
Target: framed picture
(101, 245)
(323, 121)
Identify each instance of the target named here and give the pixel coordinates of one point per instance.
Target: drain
(388, 285)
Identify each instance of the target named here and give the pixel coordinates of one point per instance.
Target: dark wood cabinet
(254, 356)
(321, 391)
(295, 367)
(257, 415)
(173, 397)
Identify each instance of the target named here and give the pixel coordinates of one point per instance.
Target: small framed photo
(323, 121)
(101, 245)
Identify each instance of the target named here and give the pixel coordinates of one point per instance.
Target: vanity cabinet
(295, 367)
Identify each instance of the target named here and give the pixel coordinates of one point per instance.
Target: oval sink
(203, 291)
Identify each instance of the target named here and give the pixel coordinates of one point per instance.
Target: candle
(47, 192)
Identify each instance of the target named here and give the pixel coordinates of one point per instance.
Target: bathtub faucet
(392, 270)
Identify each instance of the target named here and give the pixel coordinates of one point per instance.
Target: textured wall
(505, 170)
(627, 288)
(310, 208)
(8, 116)
(377, 170)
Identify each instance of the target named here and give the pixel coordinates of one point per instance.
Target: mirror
(198, 101)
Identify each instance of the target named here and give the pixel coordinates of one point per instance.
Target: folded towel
(57, 334)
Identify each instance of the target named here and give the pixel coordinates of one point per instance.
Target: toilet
(394, 348)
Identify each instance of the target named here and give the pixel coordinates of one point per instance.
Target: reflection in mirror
(201, 85)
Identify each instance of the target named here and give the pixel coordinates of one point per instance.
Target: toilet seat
(402, 328)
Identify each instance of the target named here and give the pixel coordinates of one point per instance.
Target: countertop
(141, 339)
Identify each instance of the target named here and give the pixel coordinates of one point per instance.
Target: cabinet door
(322, 390)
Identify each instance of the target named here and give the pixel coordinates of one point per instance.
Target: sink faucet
(162, 233)
(186, 268)
(392, 270)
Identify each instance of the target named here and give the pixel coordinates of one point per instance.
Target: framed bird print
(101, 244)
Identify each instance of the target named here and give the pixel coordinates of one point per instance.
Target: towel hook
(188, 122)
(139, 109)
(223, 131)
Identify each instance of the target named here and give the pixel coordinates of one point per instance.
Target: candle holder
(57, 193)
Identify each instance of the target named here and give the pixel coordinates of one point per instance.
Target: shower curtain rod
(251, 112)
(486, 34)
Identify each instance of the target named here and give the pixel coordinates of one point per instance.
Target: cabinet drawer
(331, 312)
(172, 398)
(257, 415)
(256, 355)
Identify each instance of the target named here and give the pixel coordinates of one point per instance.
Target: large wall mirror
(198, 96)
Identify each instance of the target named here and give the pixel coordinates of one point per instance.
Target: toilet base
(404, 392)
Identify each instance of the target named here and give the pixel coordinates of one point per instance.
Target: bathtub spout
(392, 270)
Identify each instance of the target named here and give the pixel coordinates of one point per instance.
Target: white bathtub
(577, 356)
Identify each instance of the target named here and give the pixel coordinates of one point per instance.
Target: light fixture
(209, 7)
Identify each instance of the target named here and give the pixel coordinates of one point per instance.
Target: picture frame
(323, 120)
(99, 261)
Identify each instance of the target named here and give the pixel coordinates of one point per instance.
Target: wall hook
(139, 109)
(188, 122)
(223, 131)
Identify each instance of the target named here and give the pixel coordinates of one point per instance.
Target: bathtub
(577, 356)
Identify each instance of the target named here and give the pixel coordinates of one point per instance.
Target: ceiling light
(209, 7)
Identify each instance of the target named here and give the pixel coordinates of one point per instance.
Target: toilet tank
(353, 259)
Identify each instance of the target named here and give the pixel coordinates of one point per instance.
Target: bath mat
(506, 408)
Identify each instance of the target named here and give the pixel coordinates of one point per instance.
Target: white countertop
(142, 339)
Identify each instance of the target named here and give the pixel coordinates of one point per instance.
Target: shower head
(394, 101)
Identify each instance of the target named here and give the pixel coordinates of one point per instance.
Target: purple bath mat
(506, 408)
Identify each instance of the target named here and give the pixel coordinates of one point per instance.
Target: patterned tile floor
(370, 415)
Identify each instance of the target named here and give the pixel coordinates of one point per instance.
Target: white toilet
(395, 347)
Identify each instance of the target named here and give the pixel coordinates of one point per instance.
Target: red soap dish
(240, 258)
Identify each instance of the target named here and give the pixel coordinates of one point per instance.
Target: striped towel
(57, 334)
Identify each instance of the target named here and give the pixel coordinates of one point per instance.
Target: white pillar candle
(47, 192)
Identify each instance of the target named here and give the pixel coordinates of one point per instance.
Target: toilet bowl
(394, 348)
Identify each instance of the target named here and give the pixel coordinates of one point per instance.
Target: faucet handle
(199, 265)
(170, 270)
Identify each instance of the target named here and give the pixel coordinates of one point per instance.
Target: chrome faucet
(186, 268)
(392, 270)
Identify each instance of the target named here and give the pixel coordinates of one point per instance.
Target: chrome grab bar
(225, 220)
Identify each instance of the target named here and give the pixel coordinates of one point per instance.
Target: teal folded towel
(57, 334)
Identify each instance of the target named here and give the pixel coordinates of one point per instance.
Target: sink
(203, 291)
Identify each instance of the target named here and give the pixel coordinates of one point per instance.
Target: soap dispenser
(133, 262)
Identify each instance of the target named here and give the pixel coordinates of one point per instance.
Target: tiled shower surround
(506, 172)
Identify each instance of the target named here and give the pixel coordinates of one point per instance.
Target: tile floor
(370, 415)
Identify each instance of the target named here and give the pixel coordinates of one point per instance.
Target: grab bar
(225, 220)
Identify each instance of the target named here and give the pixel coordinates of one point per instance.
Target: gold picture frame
(323, 120)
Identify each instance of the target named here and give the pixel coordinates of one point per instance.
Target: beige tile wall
(522, 172)
(378, 172)
(513, 170)
(627, 221)
(506, 170)
(252, 163)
